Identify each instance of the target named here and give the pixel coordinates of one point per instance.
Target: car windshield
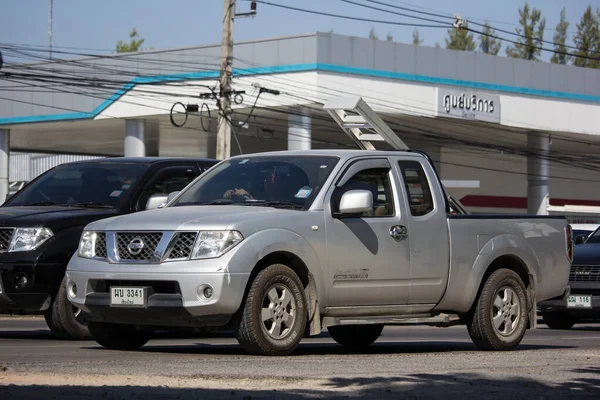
(594, 237)
(102, 185)
(285, 181)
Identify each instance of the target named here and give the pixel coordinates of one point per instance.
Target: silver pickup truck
(281, 245)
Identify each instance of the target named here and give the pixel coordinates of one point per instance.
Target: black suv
(41, 225)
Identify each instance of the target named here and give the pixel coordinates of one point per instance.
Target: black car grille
(5, 238)
(182, 245)
(148, 239)
(585, 273)
(589, 292)
(100, 250)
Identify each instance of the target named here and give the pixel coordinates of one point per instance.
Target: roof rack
(361, 123)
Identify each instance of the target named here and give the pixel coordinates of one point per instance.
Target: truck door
(427, 229)
(367, 265)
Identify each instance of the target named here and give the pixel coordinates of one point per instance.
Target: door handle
(398, 232)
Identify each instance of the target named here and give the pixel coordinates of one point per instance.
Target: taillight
(569, 237)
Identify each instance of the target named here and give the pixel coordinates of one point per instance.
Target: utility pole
(224, 127)
(50, 6)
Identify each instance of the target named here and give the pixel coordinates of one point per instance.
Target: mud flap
(314, 315)
(532, 304)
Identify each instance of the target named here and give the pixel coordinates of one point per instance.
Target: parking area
(408, 362)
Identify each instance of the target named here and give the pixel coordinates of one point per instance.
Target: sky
(176, 23)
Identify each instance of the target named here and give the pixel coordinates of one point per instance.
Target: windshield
(594, 237)
(93, 185)
(287, 181)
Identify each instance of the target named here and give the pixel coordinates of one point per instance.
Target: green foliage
(528, 47)
(135, 44)
(587, 40)
(488, 44)
(460, 39)
(561, 54)
(372, 34)
(416, 38)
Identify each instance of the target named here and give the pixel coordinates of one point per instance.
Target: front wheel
(558, 320)
(119, 336)
(355, 336)
(64, 319)
(500, 318)
(274, 313)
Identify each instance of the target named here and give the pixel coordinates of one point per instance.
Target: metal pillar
(538, 166)
(135, 145)
(299, 131)
(4, 163)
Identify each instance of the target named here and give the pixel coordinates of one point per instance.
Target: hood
(586, 254)
(53, 217)
(191, 218)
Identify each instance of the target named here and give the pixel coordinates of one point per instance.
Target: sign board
(466, 104)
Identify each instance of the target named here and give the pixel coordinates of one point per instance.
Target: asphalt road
(407, 362)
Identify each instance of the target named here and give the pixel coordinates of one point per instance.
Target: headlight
(86, 244)
(25, 239)
(212, 244)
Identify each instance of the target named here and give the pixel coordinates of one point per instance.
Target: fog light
(205, 292)
(72, 290)
(21, 281)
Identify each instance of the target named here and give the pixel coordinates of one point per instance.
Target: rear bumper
(42, 282)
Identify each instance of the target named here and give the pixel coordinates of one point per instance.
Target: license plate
(128, 296)
(579, 301)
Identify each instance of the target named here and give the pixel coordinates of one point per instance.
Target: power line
(348, 16)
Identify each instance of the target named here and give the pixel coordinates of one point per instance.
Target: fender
(262, 243)
(465, 279)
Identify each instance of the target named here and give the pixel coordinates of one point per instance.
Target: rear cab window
(418, 190)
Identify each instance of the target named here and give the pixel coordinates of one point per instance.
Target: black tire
(253, 333)
(481, 322)
(558, 320)
(355, 336)
(118, 336)
(65, 320)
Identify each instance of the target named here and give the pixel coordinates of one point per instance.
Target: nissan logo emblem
(136, 246)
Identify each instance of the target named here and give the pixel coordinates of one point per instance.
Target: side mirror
(356, 202)
(172, 195)
(579, 239)
(156, 201)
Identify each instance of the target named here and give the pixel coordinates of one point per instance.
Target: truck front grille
(585, 273)
(129, 248)
(100, 249)
(182, 245)
(5, 238)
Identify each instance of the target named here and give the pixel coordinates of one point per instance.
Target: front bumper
(576, 288)
(174, 291)
(42, 281)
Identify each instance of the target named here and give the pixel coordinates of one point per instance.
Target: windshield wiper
(89, 204)
(41, 203)
(286, 204)
(216, 202)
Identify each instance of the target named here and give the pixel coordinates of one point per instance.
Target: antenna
(50, 6)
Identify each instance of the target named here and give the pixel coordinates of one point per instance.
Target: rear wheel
(64, 319)
(274, 313)
(119, 336)
(355, 336)
(500, 318)
(558, 320)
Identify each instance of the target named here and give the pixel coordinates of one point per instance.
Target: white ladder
(354, 115)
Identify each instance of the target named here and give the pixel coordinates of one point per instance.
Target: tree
(416, 38)
(531, 32)
(135, 43)
(561, 54)
(587, 40)
(460, 39)
(389, 37)
(372, 35)
(488, 44)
